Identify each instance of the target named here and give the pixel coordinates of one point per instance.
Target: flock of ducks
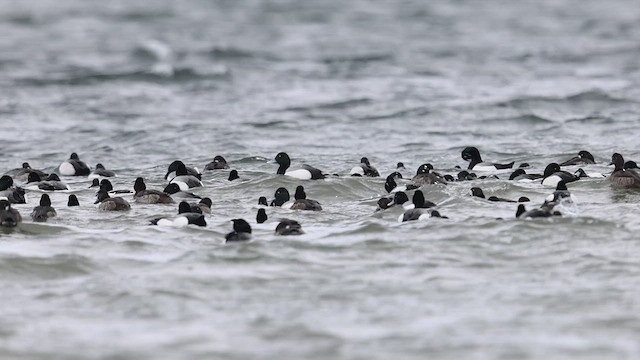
(182, 178)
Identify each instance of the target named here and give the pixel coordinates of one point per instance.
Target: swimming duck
(171, 171)
(144, 196)
(100, 171)
(305, 173)
(419, 214)
(233, 175)
(241, 231)
(472, 155)
(391, 186)
(73, 201)
(108, 203)
(183, 179)
(583, 158)
(74, 167)
(23, 172)
(9, 217)
(521, 175)
(14, 194)
(218, 163)
(204, 206)
(281, 198)
(186, 216)
(43, 211)
(477, 192)
(424, 176)
(552, 175)
(174, 190)
(261, 217)
(51, 183)
(288, 227)
(623, 178)
(364, 169)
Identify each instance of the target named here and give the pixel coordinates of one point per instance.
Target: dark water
(136, 85)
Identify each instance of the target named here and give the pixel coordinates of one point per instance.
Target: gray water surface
(136, 85)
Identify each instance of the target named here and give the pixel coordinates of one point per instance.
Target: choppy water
(136, 85)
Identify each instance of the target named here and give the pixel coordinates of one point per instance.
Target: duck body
(288, 227)
(306, 172)
(108, 203)
(218, 163)
(583, 158)
(391, 186)
(425, 176)
(364, 169)
(173, 167)
(620, 177)
(44, 211)
(9, 217)
(51, 183)
(472, 154)
(186, 216)
(144, 196)
(173, 189)
(100, 171)
(241, 231)
(553, 175)
(74, 167)
(22, 173)
(14, 194)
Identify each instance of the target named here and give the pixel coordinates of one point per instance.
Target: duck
(364, 169)
(399, 198)
(477, 192)
(262, 200)
(174, 190)
(108, 203)
(13, 194)
(204, 206)
(171, 171)
(546, 210)
(100, 171)
(472, 155)
(464, 175)
(9, 217)
(281, 198)
(95, 183)
(521, 175)
(106, 184)
(51, 183)
(23, 172)
(241, 231)
(418, 202)
(261, 216)
(184, 179)
(218, 163)
(73, 201)
(305, 173)
(419, 214)
(302, 203)
(74, 167)
(623, 178)
(391, 186)
(583, 158)
(288, 227)
(44, 211)
(424, 176)
(233, 175)
(561, 194)
(144, 196)
(186, 216)
(552, 175)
